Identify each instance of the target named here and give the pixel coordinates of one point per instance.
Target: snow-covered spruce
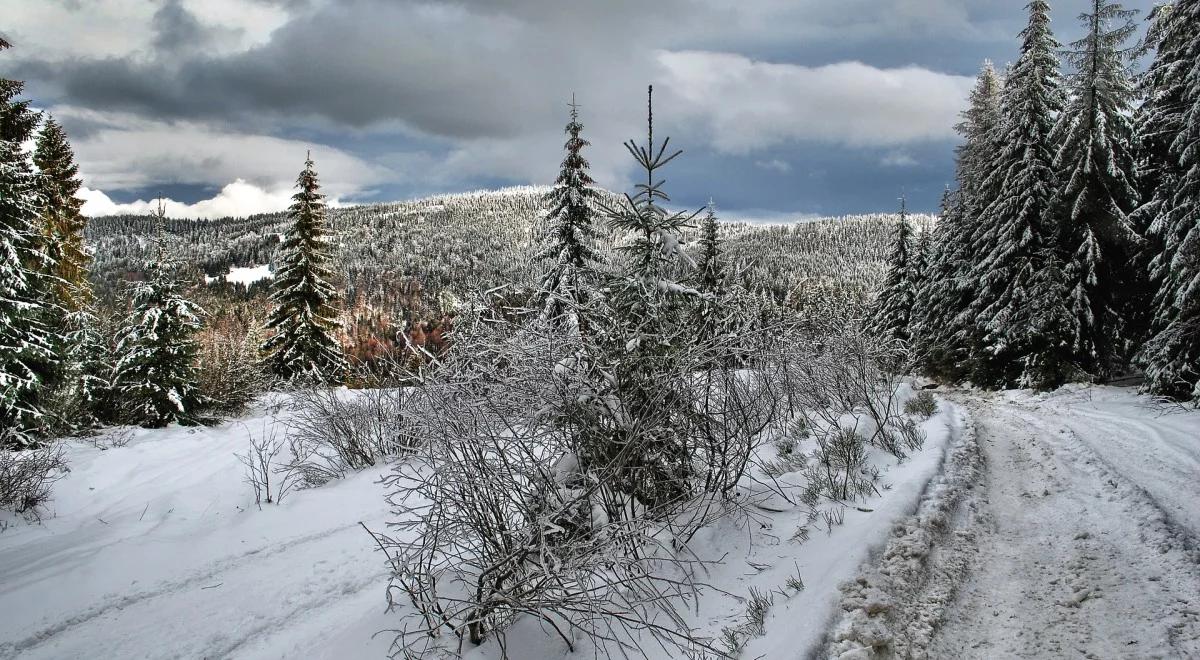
(27, 360)
(891, 316)
(1095, 165)
(155, 376)
(304, 319)
(572, 263)
(1172, 354)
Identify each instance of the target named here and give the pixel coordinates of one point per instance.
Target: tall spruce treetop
(26, 358)
(304, 319)
(1019, 221)
(569, 251)
(62, 216)
(1158, 121)
(1172, 356)
(893, 308)
(981, 129)
(942, 325)
(1095, 163)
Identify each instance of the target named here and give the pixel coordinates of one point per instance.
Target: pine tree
(1172, 356)
(155, 374)
(712, 311)
(26, 357)
(1095, 165)
(62, 217)
(644, 335)
(892, 311)
(1017, 224)
(81, 399)
(304, 319)
(573, 262)
(943, 324)
(981, 129)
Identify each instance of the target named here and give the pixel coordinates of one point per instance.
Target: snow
(1078, 538)
(155, 549)
(1060, 525)
(244, 275)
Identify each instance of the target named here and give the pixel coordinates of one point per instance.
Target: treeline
(1070, 250)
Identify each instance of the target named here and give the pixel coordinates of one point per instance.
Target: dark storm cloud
(480, 84)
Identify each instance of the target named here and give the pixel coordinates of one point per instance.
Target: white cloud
(238, 199)
(775, 164)
(749, 105)
(122, 152)
(897, 159)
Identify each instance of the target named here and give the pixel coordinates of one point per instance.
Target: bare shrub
(511, 509)
(335, 431)
(26, 477)
(269, 476)
(838, 470)
(923, 405)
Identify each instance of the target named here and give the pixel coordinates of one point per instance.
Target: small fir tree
(572, 261)
(304, 320)
(893, 307)
(713, 310)
(155, 376)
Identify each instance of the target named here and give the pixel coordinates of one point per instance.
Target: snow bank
(880, 610)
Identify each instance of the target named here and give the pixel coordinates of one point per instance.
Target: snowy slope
(155, 550)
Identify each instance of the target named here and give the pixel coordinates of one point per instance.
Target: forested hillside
(404, 256)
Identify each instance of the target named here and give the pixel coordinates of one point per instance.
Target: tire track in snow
(896, 605)
(1075, 560)
(164, 589)
(1052, 554)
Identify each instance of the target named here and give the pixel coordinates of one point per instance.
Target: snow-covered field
(1060, 525)
(244, 275)
(156, 550)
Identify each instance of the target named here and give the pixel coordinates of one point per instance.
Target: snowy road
(1084, 531)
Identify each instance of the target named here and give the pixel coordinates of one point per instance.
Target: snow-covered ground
(156, 550)
(244, 275)
(1079, 539)
(1043, 526)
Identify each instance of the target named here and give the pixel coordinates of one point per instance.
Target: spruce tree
(1095, 165)
(891, 313)
(645, 334)
(712, 310)
(304, 319)
(943, 324)
(26, 357)
(572, 261)
(81, 399)
(1172, 356)
(155, 375)
(1018, 224)
(62, 218)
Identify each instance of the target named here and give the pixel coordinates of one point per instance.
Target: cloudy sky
(783, 107)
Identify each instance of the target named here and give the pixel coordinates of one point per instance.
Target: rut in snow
(1053, 552)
